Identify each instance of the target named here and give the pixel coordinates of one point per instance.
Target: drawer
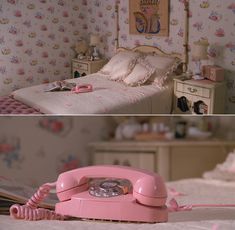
(81, 66)
(140, 160)
(193, 90)
(79, 73)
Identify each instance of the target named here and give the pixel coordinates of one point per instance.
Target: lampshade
(94, 40)
(199, 50)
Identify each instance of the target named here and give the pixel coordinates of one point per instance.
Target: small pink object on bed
(9, 105)
(82, 88)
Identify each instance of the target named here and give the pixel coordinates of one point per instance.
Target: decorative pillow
(120, 65)
(165, 68)
(224, 171)
(160, 62)
(140, 74)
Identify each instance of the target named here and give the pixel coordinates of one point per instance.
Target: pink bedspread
(9, 105)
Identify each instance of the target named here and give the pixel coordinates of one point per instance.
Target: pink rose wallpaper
(36, 41)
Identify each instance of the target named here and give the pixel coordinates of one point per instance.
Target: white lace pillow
(160, 62)
(140, 74)
(120, 65)
(165, 67)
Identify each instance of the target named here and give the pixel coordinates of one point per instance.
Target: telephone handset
(148, 188)
(143, 201)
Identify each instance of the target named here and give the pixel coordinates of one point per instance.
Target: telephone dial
(116, 193)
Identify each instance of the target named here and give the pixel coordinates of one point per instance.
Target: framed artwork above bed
(149, 17)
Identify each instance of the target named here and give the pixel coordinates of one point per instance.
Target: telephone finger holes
(109, 188)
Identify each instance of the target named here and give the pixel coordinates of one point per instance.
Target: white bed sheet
(108, 97)
(196, 190)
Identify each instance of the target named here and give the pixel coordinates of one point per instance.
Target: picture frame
(149, 17)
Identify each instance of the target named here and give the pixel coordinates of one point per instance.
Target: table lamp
(199, 53)
(94, 41)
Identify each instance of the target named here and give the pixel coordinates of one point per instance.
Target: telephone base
(124, 208)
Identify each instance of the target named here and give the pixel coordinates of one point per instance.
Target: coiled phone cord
(30, 210)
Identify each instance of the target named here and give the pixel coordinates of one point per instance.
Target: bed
(195, 191)
(109, 96)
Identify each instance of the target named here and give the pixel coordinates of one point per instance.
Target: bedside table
(81, 68)
(199, 97)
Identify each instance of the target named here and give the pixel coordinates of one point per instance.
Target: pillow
(160, 62)
(224, 171)
(120, 65)
(165, 67)
(140, 74)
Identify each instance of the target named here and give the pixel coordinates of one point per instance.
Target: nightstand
(202, 97)
(81, 68)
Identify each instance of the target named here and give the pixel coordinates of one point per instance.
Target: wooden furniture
(173, 160)
(81, 68)
(210, 93)
(151, 50)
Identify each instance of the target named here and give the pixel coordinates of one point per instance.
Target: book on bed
(12, 192)
(59, 86)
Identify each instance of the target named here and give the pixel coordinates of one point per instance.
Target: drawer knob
(192, 90)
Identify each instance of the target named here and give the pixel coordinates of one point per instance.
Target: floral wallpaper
(36, 40)
(35, 150)
(36, 37)
(209, 19)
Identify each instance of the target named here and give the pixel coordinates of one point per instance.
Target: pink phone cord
(175, 207)
(29, 211)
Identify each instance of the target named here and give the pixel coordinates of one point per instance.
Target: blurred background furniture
(173, 160)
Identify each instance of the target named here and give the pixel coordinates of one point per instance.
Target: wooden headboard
(152, 50)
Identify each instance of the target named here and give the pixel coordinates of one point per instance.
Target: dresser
(81, 68)
(202, 97)
(173, 160)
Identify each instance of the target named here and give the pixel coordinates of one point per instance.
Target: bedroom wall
(36, 150)
(36, 39)
(211, 19)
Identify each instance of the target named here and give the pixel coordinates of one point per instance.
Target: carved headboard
(152, 50)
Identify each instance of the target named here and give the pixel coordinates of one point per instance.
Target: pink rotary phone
(144, 202)
(84, 193)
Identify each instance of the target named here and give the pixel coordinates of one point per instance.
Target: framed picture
(149, 17)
